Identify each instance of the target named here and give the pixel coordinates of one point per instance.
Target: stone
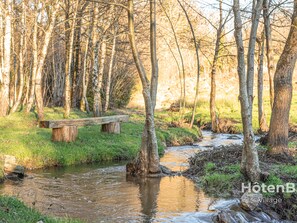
(250, 201)
(11, 166)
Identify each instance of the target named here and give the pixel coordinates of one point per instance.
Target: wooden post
(64, 134)
(113, 127)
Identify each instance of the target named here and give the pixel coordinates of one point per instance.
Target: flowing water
(103, 193)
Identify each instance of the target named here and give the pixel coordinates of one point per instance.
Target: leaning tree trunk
(147, 161)
(5, 75)
(250, 161)
(279, 122)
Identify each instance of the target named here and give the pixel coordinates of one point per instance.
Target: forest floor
(21, 137)
(217, 171)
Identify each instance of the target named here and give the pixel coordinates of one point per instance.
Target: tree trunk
(22, 53)
(261, 115)
(269, 56)
(77, 48)
(84, 105)
(279, 122)
(197, 61)
(42, 56)
(35, 63)
(148, 158)
(250, 162)
(112, 56)
(183, 86)
(69, 31)
(97, 107)
(212, 102)
(5, 75)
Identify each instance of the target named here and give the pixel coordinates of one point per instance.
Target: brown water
(103, 193)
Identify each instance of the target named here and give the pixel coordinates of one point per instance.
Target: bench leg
(65, 134)
(114, 127)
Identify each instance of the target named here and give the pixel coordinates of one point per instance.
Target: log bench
(66, 130)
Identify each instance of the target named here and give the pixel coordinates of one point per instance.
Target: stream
(103, 192)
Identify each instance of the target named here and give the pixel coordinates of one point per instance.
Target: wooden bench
(66, 130)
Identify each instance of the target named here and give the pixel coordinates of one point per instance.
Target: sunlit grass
(21, 137)
(229, 108)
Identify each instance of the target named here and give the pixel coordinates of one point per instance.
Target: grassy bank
(229, 108)
(218, 173)
(21, 137)
(13, 210)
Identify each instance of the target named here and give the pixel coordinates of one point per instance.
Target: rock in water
(250, 201)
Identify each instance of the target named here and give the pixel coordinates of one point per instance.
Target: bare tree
(147, 161)
(250, 161)
(212, 103)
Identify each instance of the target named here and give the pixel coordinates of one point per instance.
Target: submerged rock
(250, 201)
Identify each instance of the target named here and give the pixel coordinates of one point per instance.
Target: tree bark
(111, 63)
(42, 56)
(183, 86)
(22, 53)
(250, 161)
(148, 158)
(279, 122)
(269, 56)
(35, 62)
(69, 30)
(212, 102)
(5, 75)
(84, 105)
(197, 61)
(261, 115)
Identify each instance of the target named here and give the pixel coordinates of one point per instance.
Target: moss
(13, 210)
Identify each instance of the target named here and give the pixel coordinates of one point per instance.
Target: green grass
(220, 181)
(229, 108)
(13, 210)
(32, 146)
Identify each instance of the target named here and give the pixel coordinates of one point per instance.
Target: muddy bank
(212, 168)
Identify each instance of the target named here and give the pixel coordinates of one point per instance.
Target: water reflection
(149, 189)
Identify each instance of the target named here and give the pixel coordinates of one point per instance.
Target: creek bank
(218, 172)
(32, 146)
